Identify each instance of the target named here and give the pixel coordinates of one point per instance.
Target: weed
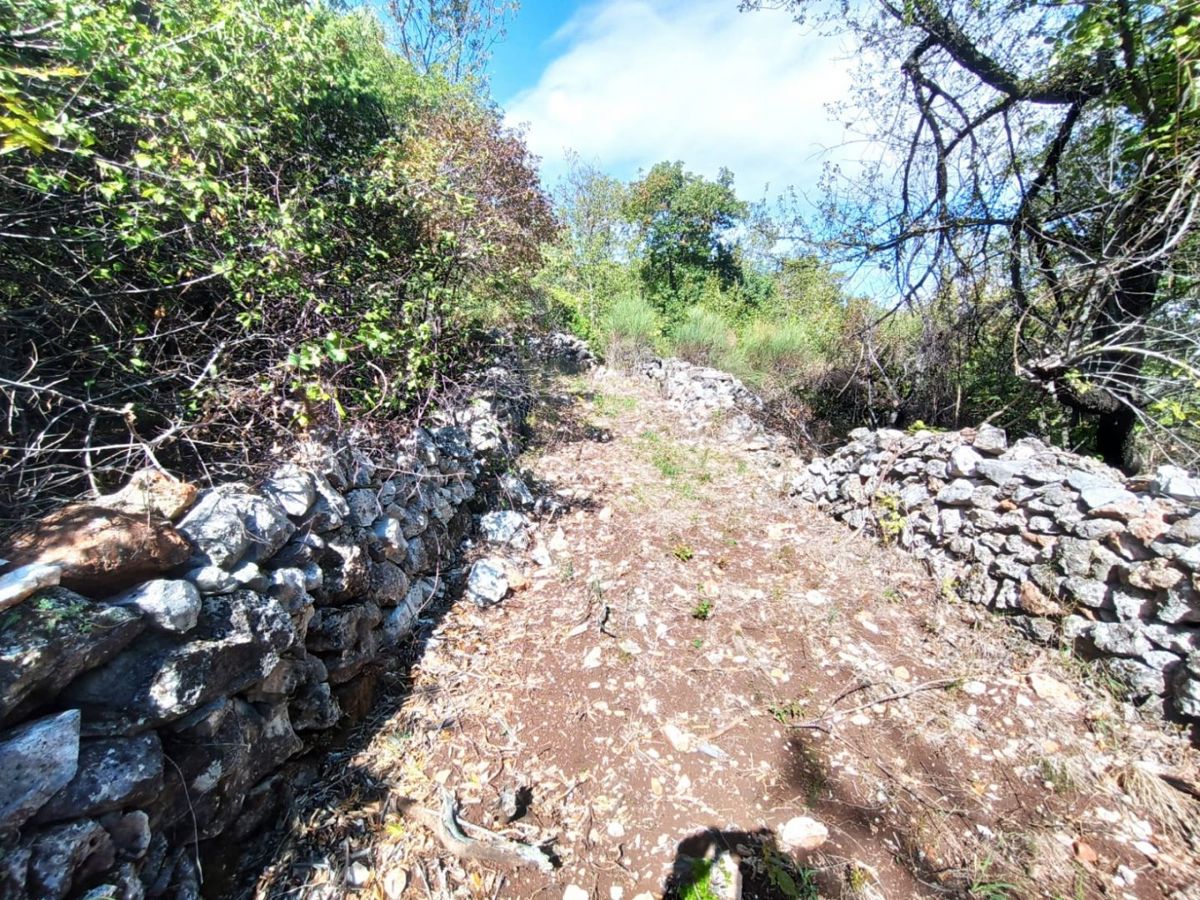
(985, 888)
(567, 571)
(1056, 775)
(703, 609)
(786, 713)
(948, 589)
(682, 552)
(795, 883)
(697, 884)
(610, 405)
(697, 643)
(892, 595)
(888, 518)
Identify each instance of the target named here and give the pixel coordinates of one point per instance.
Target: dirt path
(702, 661)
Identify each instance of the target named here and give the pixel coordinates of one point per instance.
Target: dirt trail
(704, 660)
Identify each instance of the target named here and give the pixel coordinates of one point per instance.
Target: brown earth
(705, 659)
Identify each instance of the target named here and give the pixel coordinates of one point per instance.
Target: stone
(1111, 503)
(1034, 601)
(1088, 481)
(914, 496)
(302, 549)
(515, 490)
(347, 574)
(113, 773)
(294, 489)
(996, 471)
(27, 580)
(342, 627)
(1086, 591)
(250, 576)
(506, 528)
(1185, 689)
(1154, 575)
(235, 644)
(957, 493)
(963, 462)
(416, 560)
(487, 583)
(228, 525)
(1173, 638)
(219, 755)
(990, 440)
(291, 674)
(152, 493)
(388, 538)
(100, 551)
(1176, 483)
(37, 760)
(53, 637)
(1054, 691)
(1097, 529)
(389, 584)
(1190, 559)
(1131, 605)
(803, 833)
(172, 606)
(364, 508)
(347, 664)
(1185, 531)
(314, 708)
(287, 585)
(67, 855)
(211, 580)
(1119, 639)
(130, 833)
(1141, 680)
(1181, 605)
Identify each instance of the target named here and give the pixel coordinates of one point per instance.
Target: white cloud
(639, 81)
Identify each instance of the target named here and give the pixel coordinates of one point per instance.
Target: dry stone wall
(138, 721)
(1080, 552)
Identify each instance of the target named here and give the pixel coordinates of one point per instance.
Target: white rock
(20, 583)
(574, 892)
(487, 584)
(963, 461)
(803, 833)
(505, 527)
(171, 605)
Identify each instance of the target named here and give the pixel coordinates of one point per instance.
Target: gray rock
(342, 627)
(1132, 605)
(236, 643)
(1180, 605)
(24, 581)
(293, 672)
(957, 493)
(1097, 529)
(487, 583)
(1086, 481)
(314, 708)
(1119, 639)
(328, 512)
(112, 773)
(302, 549)
(996, 471)
(37, 760)
(347, 574)
(67, 855)
(227, 524)
(1174, 638)
(250, 576)
(399, 623)
(963, 462)
(287, 585)
(364, 508)
(1190, 559)
(219, 755)
(1174, 482)
(314, 577)
(1185, 697)
(518, 493)
(130, 833)
(212, 580)
(1086, 591)
(388, 538)
(1185, 531)
(49, 639)
(1141, 680)
(293, 488)
(172, 606)
(414, 521)
(347, 664)
(991, 440)
(389, 584)
(416, 560)
(1103, 498)
(505, 527)
(914, 496)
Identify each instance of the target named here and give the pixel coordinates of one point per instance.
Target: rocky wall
(1078, 551)
(166, 655)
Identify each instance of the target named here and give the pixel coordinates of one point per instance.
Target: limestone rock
(314, 708)
(67, 855)
(112, 773)
(24, 581)
(342, 627)
(236, 643)
(101, 551)
(37, 760)
(1177, 484)
(990, 440)
(152, 493)
(389, 584)
(364, 508)
(229, 524)
(963, 461)
(957, 493)
(505, 527)
(212, 580)
(293, 488)
(53, 637)
(487, 583)
(172, 606)
(130, 833)
(346, 572)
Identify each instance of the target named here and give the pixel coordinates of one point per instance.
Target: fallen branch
(899, 695)
(491, 847)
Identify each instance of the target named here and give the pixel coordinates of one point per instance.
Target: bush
(228, 220)
(631, 330)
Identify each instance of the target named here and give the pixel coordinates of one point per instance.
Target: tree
(685, 224)
(1055, 145)
(454, 37)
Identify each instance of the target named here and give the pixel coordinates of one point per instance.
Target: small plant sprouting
(892, 595)
(786, 713)
(888, 517)
(682, 552)
(697, 643)
(703, 609)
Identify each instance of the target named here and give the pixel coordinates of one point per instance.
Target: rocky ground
(688, 662)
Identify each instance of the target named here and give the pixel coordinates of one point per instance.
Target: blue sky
(627, 83)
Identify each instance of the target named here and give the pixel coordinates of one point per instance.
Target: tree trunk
(1114, 434)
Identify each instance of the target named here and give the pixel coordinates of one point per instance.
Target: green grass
(703, 609)
(682, 552)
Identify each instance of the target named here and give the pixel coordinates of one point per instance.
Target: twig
(899, 695)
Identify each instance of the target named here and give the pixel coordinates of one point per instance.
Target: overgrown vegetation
(224, 223)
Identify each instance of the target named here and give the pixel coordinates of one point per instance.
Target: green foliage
(224, 219)
(703, 337)
(703, 609)
(631, 328)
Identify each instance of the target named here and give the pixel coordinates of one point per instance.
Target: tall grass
(631, 328)
(704, 337)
